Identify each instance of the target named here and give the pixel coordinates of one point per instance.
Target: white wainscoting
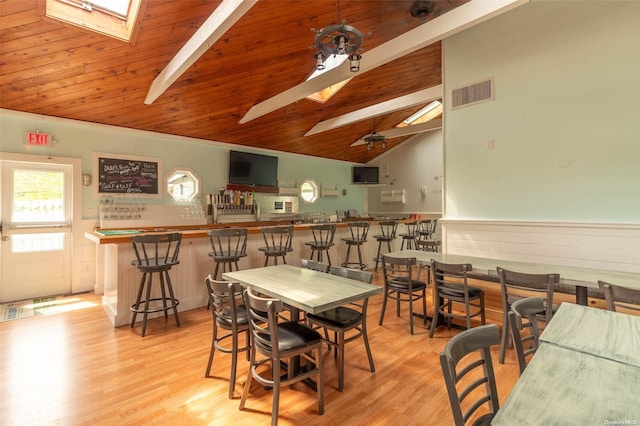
(591, 245)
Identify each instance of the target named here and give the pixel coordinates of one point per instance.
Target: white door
(36, 214)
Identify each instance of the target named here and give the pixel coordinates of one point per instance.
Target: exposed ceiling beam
(397, 132)
(421, 97)
(218, 23)
(452, 22)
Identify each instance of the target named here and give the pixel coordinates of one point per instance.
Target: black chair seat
(455, 291)
(341, 316)
(403, 285)
(154, 266)
(224, 318)
(226, 256)
(275, 251)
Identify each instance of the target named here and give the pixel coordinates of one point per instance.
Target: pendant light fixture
(338, 39)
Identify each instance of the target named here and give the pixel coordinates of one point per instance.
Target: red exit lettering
(41, 139)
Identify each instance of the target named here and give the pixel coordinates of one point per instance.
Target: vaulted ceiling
(57, 69)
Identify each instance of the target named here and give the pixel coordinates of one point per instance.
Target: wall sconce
(86, 179)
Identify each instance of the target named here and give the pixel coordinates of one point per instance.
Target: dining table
(303, 289)
(580, 278)
(585, 371)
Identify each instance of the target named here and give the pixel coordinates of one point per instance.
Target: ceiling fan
(396, 132)
(374, 137)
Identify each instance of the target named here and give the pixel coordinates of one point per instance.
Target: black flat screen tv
(253, 169)
(365, 175)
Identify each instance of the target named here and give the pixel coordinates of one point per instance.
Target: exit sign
(38, 139)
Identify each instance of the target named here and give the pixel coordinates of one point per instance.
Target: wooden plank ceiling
(56, 69)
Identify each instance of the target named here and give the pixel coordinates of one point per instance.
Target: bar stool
(410, 236)
(388, 229)
(155, 254)
(426, 228)
(229, 245)
(278, 240)
(430, 246)
(322, 240)
(359, 232)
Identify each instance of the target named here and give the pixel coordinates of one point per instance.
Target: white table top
(566, 387)
(606, 334)
(570, 275)
(307, 290)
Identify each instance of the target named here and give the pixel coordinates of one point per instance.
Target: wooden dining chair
(524, 316)
(228, 314)
(401, 286)
(619, 297)
(516, 285)
(273, 342)
(314, 265)
(344, 319)
(454, 298)
(470, 379)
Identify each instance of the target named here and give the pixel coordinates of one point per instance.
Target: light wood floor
(74, 368)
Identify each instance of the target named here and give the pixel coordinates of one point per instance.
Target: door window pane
(29, 243)
(38, 196)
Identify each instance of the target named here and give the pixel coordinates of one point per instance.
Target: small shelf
(253, 188)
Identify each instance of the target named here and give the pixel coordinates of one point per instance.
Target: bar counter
(119, 279)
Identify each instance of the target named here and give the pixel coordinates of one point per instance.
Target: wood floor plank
(74, 368)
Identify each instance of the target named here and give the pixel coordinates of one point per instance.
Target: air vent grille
(472, 94)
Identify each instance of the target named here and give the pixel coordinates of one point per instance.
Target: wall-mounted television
(253, 169)
(362, 175)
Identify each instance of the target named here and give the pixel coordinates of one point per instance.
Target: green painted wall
(565, 120)
(208, 160)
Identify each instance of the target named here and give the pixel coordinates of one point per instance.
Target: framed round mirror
(182, 184)
(308, 191)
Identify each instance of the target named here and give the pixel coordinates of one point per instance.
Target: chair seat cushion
(484, 420)
(153, 266)
(315, 245)
(342, 317)
(403, 284)
(277, 251)
(457, 291)
(224, 318)
(293, 335)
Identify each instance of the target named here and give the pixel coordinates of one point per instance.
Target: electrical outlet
(491, 144)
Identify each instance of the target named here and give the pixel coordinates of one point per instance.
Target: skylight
(323, 95)
(115, 18)
(423, 115)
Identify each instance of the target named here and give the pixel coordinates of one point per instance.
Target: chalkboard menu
(128, 176)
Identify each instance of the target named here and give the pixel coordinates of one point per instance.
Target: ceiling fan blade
(397, 132)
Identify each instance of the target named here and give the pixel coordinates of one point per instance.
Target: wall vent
(472, 94)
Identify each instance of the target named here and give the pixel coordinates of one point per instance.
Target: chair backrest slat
(314, 265)
(157, 249)
(465, 380)
(524, 316)
(618, 296)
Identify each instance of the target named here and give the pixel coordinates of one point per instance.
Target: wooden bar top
(115, 236)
